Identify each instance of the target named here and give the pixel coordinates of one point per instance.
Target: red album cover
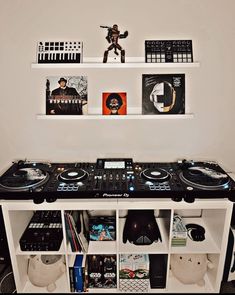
(114, 103)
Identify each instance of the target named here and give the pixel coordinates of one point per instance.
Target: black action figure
(112, 37)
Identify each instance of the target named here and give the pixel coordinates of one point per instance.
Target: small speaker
(157, 270)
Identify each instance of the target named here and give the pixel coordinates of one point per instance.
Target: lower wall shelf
(121, 117)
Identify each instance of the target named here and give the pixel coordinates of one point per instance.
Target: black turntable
(25, 179)
(201, 176)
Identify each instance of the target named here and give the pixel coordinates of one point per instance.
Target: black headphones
(195, 232)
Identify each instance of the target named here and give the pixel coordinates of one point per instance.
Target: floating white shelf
(96, 62)
(106, 117)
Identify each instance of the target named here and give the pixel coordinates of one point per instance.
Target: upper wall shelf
(96, 62)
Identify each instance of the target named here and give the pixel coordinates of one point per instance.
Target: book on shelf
(102, 271)
(76, 232)
(79, 273)
(71, 235)
(83, 235)
(71, 260)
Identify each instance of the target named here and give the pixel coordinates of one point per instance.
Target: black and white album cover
(163, 94)
(66, 95)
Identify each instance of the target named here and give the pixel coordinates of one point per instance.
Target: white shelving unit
(213, 214)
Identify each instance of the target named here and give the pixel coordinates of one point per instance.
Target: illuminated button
(189, 188)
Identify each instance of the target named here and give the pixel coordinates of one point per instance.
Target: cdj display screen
(114, 165)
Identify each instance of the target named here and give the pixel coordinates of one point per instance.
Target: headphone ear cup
(196, 232)
(197, 235)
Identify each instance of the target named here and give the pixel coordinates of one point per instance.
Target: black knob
(189, 199)
(177, 199)
(20, 163)
(38, 200)
(50, 200)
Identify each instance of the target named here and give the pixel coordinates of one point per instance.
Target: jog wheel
(155, 174)
(73, 175)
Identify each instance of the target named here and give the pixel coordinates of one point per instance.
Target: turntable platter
(155, 174)
(206, 178)
(24, 179)
(72, 175)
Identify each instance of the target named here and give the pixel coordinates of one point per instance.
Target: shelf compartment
(61, 287)
(155, 247)
(96, 246)
(19, 221)
(212, 220)
(211, 278)
(25, 286)
(208, 244)
(175, 286)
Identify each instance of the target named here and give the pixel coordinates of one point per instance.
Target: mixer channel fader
(114, 175)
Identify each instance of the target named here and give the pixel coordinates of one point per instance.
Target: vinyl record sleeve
(163, 94)
(69, 98)
(109, 107)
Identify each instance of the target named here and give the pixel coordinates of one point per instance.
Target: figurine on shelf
(112, 37)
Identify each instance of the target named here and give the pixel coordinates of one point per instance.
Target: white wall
(209, 90)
